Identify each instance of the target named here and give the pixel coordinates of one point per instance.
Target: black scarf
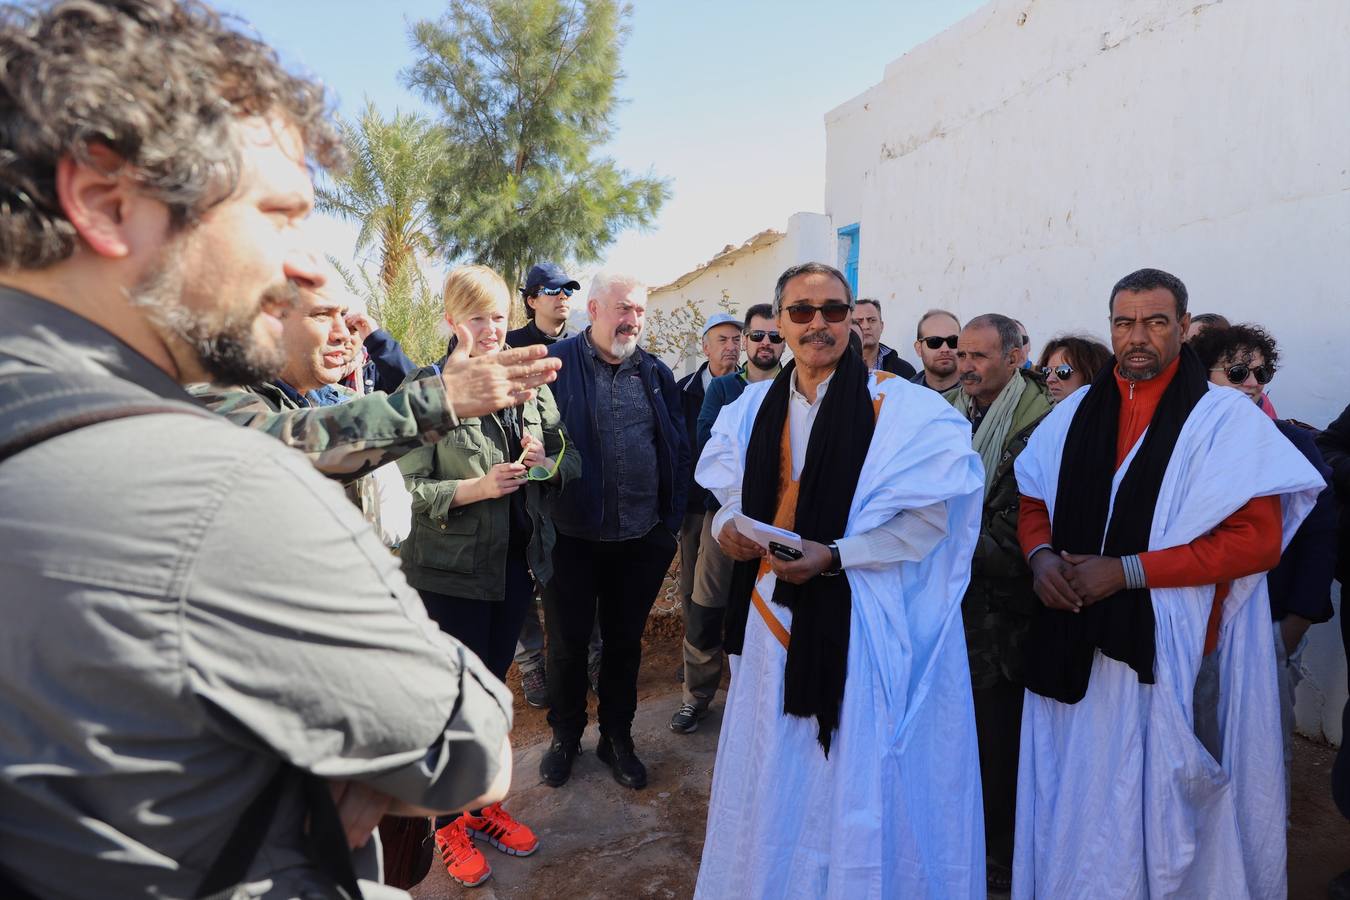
(817, 658)
(1062, 644)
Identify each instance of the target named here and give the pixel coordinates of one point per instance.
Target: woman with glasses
(1070, 361)
(482, 534)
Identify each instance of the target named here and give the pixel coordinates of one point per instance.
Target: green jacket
(1000, 602)
(345, 441)
(461, 551)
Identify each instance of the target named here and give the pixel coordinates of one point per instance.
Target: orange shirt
(1246, 542)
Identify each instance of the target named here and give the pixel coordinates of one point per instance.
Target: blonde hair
(470, 290)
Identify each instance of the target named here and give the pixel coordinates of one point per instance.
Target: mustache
(820, 337)
(626, 329)
(971, 378)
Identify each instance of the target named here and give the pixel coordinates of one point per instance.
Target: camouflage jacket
(346, 441)
(1000, 602)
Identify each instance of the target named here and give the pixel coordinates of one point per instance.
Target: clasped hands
(1071, 581)
(815, 556)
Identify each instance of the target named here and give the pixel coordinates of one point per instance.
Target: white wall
(1026, 158)
(748, 277)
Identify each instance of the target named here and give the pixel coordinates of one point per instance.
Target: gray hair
(808, 268)
(1008, 335)
(604, 284)
(159, 83)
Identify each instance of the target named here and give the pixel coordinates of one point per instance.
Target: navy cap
(548, 275)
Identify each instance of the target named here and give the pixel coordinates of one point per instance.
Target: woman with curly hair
(1070, 361)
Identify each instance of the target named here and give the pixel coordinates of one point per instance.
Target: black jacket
(1301, 583)
(1334, 443)
(691, 398)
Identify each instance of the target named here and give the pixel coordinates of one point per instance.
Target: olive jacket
(461, 551)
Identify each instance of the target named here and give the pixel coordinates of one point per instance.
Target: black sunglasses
(1238, 373)
(553, 292)
(933, 343)
(1062, 372)
(805, 313)
(756, 336)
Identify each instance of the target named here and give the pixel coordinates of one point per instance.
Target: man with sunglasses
(712, 573)
(936, 346)
(847, 764)
(1153, 504)
(1004, 404)
(547, 294)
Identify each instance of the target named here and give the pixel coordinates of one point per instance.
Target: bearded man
(1152, 506)
(847, 764)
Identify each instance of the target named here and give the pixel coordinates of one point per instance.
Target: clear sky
(725, 97)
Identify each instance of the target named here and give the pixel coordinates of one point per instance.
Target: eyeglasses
(933, 343)
(1063, 373)
(756, 336)
(805, 313)
(1238, 374)
(553, 292)
(544, 473)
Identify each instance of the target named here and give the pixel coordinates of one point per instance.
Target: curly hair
(1087, 355)
(1214, 345)
(160, 83)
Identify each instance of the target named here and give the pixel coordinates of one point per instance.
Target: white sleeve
(726, 513)
(909, 536)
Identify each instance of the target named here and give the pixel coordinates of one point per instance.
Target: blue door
(848, 253)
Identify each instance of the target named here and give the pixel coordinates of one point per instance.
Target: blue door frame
(850, 232)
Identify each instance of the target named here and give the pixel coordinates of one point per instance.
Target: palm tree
(394, 164)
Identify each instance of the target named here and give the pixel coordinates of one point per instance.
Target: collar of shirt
(801, 419)
(630, 362)
(299, 399)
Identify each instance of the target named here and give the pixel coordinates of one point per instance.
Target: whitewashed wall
(748, 278)
(1026, 158)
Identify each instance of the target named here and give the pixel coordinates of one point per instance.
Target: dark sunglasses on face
(1238, 374)
(805, 313)
(553, 292)
(1063, 373)
(933, 343)
(756, 336)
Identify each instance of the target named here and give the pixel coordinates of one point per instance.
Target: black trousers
(487, 627)
(1340, 772)
(616, 582)
(998, 728)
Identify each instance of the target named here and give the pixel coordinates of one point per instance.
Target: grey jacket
(186, 605)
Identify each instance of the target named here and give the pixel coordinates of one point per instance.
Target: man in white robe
(887, 802)
(1117, 796)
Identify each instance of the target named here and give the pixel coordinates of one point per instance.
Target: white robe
(895, 810)
(1116, 797)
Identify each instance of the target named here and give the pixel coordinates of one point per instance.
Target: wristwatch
(836, 566)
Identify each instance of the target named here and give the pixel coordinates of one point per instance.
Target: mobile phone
(784, 552)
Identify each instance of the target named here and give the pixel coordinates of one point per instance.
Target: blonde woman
(482, 534)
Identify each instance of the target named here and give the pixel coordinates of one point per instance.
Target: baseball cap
(720, 319)
(548, 275)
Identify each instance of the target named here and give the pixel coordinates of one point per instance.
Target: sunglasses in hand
(1238, 373)
(756, 336)
(933, 343)
(805, 313)
(544, 473)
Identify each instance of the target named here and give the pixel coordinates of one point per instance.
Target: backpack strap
(39, 405)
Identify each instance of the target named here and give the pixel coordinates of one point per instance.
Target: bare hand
(1094, 577)
(738, 546)
(360, 808)
(479, 385)
(1050, 581)
(361, 325)
(533, 450)
(501, 480)
(815, 559)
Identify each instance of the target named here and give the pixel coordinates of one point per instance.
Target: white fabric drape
(895, 810)
(1116, 796)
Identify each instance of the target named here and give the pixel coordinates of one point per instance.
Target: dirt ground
(600, 840)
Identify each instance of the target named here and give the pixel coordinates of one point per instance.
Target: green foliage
(406, 308)
(526, 90)
(395, 163)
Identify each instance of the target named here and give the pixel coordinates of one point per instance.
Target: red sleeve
(1245, 543)
(1033, 524)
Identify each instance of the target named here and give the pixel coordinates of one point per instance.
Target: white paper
(761, 533)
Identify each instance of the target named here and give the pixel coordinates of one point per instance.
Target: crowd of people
(995, 625)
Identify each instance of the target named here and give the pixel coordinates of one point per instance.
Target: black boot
(556, 766)
(623, 762)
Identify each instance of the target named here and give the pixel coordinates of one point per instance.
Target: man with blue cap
(547, 294)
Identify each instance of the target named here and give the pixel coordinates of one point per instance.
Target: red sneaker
(496, 826)
(465, 862)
